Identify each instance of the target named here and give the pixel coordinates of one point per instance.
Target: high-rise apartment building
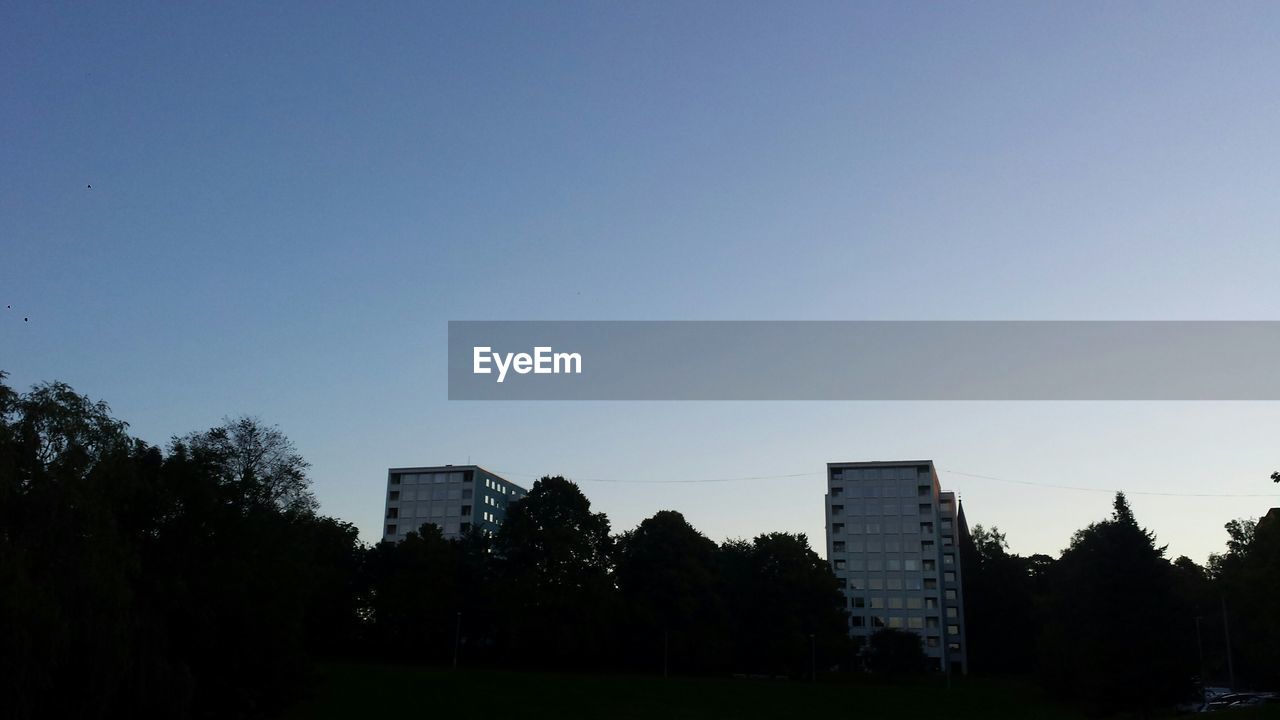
(455, 498)
(893, 540)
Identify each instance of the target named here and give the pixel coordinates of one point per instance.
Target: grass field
(404, 692)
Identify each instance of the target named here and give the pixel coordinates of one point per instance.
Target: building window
(926, 509)
(895, 603)
(837, 491)
(877, 621)
(857, 584)
(837, 509)
(873, 528)
(948, 576)
(950, 594)
(928, 565)
(915, 623)
(466, 527)
(838, 546)
(877, 603)
(949, 559)
(837, 528)
(932, 642)
(895, 622)
(857, 621)
(859, 602)
(915, 603)
(953, 613)
(924, 491)
(893, 584)
(391, 529)
(910, 565)
(931, 583)
(466, 493)
(395, 479)
(393, 513)
(946, 523)
(926, 528)
(931, 603)
(954, 647)
(953, 629)
(466, 510)
(931, 622)
(875, 583)
(395, 495)
(840, 565)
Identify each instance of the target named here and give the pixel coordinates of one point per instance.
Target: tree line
(1113, 624)
(199, 579)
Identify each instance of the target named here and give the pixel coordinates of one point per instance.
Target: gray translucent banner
(864, 360)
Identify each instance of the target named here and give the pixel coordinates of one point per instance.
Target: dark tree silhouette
(1247, 577)
(1000, 599)
(259, 461)
(786, 606)
(666, 573)
(554, 569)
(140, 583)
(894, 652)
(1114, 631)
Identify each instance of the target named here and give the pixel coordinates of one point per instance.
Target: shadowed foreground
(353, 690)
(369, 690)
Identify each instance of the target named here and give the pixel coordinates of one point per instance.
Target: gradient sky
(290, 200)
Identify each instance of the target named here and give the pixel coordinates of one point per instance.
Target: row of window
(498, 487)
(427, 478)
(430, 493)
(450, 527)
(878, 563)
(911, 582)
(889, 545)
(881, 473)
(885, 491)
(424, 511)
(882, 509)
(908, 623)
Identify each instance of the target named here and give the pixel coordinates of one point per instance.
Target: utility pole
(665, 646)
(1226, 633)
(813, 659)
(457, 639)
(1204, 681)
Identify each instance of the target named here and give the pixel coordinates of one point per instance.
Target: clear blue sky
(289, 201)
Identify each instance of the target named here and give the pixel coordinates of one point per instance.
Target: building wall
(454, 498)
(892, 537)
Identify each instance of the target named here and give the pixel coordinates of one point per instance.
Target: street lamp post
(457, 639)
(813, 658)
(1204, 682)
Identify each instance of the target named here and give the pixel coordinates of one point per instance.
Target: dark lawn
(402, 692)
(396, 692)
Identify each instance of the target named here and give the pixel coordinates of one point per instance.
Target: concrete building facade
(893, 540)
(455, 498)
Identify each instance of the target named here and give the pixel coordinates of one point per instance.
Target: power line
(791, 476)
(1105, 490)
(686, 481)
